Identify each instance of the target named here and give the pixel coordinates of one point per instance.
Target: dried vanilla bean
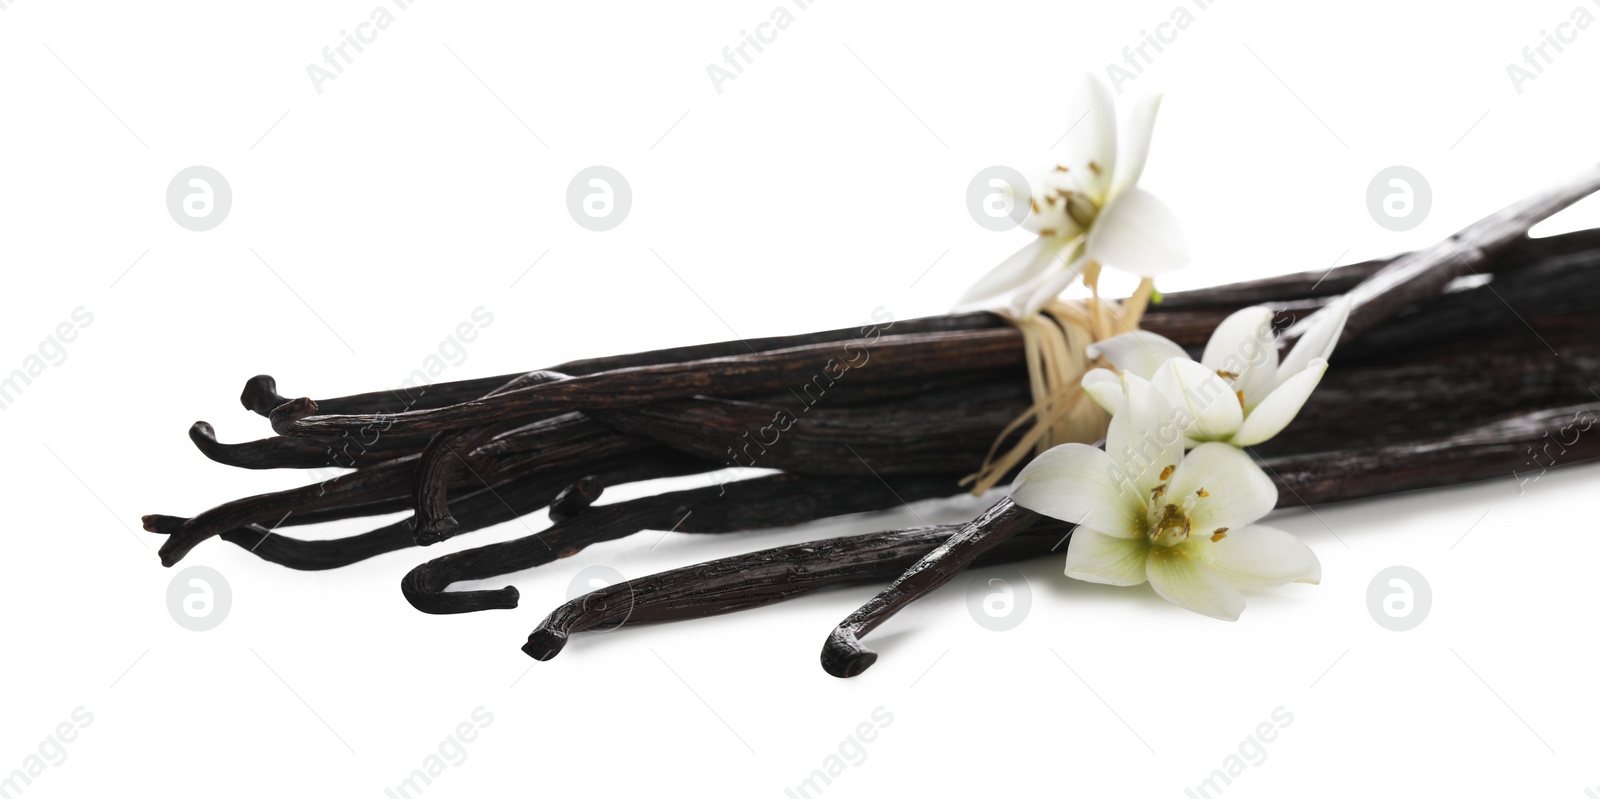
(1520, 254)
(1563, 286)
(1498, 450)
(844, 656)
(892, 357)
(1413, 278)
(940, 433)
(771, 501)
(446, 456)
(381, 483)
(281, 452)
(261, 395)
(1422, 275)
(474, 510)
(761, 578)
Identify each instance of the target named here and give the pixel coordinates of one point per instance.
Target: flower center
(1171, 527)
(1169, 523)
(1081, 210)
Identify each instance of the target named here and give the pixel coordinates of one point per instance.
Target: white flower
(1148, 512)
(1089, 210)
(1238, 392)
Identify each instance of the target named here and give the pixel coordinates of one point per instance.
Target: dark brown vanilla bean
(770, 575)
(944, 432)
(773, 501)
(375, 483)
(844, 656)
(1497, 450)
(283, 452)
(1487, 452)
(385, 481)
(1436, 392)
(261, 395)
(888, 358)
(444, 459)
(288, 452)
(1520, 254)
(575, 498)
(1515, 450)
(754, 374)
(269, 453)
(1559, 286)
(1424, 274)
(474, 511)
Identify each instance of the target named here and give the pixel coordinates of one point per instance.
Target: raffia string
(1054, 342)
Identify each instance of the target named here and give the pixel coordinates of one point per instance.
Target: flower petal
(1134, 148)
(1137, 233)
(1238, 491)
(1021, 268)
(1105, 388)
(1182, 579)
(1243, 328)
(1257, 556)
(1092, 140)
(1211, 404)
(1144, 438)
(1098, 558)
(1140, 352)
(1319, 340)
(1245, 345)
(1027, 302)
(1075, 483)
(1278, 409)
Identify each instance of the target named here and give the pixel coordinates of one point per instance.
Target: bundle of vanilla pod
(1457, 363)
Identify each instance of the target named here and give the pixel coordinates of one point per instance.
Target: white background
(827, 179)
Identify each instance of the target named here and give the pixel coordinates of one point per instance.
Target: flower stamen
(1081, 210)
(1172, 528)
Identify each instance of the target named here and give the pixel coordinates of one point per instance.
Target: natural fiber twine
(1055, 342)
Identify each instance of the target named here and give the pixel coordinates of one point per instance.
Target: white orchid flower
(1147, 512)
(1088, 210)
(1238, 392)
